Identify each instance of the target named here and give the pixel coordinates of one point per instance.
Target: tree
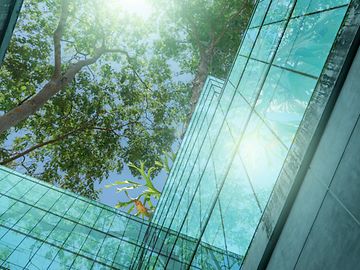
(86, 88)
(202, 36)
(83, 95)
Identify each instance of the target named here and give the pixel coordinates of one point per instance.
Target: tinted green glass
(283, 101)
(279, 10)
(250, 83)
(248, 43)
(260, 12)
(267, 41)
(308, 6)
(308, 40)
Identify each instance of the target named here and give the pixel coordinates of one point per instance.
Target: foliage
(143, 203)
(202, 36)
(122, 107)
(128, 103)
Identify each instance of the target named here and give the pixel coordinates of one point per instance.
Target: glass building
(240, 143)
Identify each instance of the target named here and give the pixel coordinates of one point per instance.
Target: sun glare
(139, 8)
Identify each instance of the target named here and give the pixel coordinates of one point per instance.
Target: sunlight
(139, 8)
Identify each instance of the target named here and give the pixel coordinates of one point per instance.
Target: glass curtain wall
(44, 227)
(219, 187)
(231, 155)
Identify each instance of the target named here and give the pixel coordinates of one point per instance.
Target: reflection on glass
(308, 6)
(249, 41)
(263, 156)
(308, 40)
(267, 41)
(260, 12)
(279, 10)
(250, 83)
(283, 101)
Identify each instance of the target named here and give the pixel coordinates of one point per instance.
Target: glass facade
(227, 167)
(223, 175)
(44, 227)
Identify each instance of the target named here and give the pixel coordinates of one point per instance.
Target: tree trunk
(200, 77)
(29, 107)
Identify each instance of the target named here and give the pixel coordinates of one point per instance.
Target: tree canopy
(87, 87)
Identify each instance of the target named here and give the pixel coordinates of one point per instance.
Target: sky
(109, 196)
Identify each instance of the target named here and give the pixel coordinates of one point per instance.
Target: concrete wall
(323, 228)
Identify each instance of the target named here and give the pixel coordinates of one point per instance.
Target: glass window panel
(248, 41)
(267, 41)
(124, 255)
(9, 182)
(62, 205)
(5, 204)
(263, 156)
(260, 12)
(43, 257)
(25, 251)
(77, 209)
(238, 113)
(237, 69)
(35, 194)
(108, 249)
(77, 238)
(30, 220)
(93, 243)
(12, 239)
(91, 214)
(63, 260)
(82, 263)
(14, 213)
(3, 231)
(283, 101)
(48, 199)
(105, 220)
(240, 208)
(45, 226)
(250, 83)
(61, 231)
(118, 225)
(20, 189)
(279, 10)
(5, 251)
(3, 174)
(307, 41)
(308, 6)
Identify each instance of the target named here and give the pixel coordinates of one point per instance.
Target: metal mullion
(74, 221)
(87, 236)
(195, 149)
(303, 15)
(191, 151)
(282, 67)
(12, 227)
(49, 243)
(45, 240)
(193, 130)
